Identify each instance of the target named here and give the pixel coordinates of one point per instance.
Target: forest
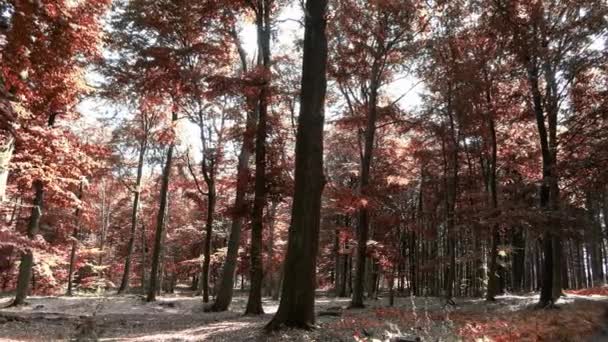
(303, 170)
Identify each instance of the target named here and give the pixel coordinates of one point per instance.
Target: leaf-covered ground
(180, 318)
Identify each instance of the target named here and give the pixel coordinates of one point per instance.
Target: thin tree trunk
(493, 272)
(160, 221)
(519, 248)
(226, 286)
(296, 308)
(143, 257)
(208, 231)
(254, 302)
(124, 284)
(364, 179)
(548, 193)
(271, 276)
(74, 242)
(337, 276)
(451, 185)
(27, 258)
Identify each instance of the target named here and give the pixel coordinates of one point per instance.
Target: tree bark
(296, 308)
(366, 162)
(143, 257)
(594, 239)
(518, 266)
(451, 191)
(27, 258)
(548, 193)
(160, 221)
(254, 302)
(493, 183)
(208, 169)
(211, 198)
(124, 284)
(74, 242)
(226, 285)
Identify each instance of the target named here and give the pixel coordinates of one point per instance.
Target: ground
(181, 318)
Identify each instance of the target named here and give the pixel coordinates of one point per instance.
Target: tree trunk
(74, 242)
(105, 220)
(208, 231)
(27, 258)
(254, 302)
(493, 183)
(518, 266)
(364, 179)
(271, 276)
(226, 286)
(143, 257)
(337, 276)
(124, 284)
(451, 190)
(160, 221)
(595, 239)
(296, 308)
(548, 191)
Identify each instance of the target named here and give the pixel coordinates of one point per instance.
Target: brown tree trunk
(226, 285)
(160, 221)
(74, 242)
(143, 257)
(208, 231)
(337, 276)
(550, 287)
(519, 257)
(124, 284)
(27, 258)
(594, 239)
(272, 279)
(451, 191)
(254, 302)
(364, 179)
(208, 169)
(493, 183)
(296, 308)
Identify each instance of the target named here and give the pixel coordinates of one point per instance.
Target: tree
(163, 68)
(45, 74)
(369, 62)
(211, 123)
(262, 10)
(296, 308)
(75, 240)
(550, 41)
(145, 121)
(224, 295)
(161, 218)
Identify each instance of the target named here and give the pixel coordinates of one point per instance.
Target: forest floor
(181, 318)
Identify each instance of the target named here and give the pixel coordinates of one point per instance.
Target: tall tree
(161, 217)
(211, 123)
(143, 130)
(226, 285)
(42, 63)
(550, 40)
(165, 51)
(296, 308)
(262, 10)
(373, 38)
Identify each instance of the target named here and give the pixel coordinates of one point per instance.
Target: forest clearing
(182, 318)
(304, 170)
